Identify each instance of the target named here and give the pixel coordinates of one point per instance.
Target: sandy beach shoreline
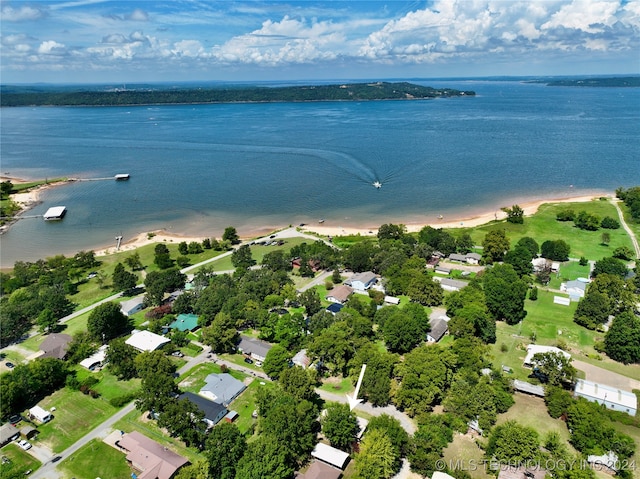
(324, 230)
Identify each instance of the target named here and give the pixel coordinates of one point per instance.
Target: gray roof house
(362, 281)
(8, 433)
(222, 388)
(449, 284)
(339, 294)
(132, 306)
(439, 328)
(55, 345)
(255, 348)
(213, 412)
(575, 289)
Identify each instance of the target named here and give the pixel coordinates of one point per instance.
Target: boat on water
(321, 221)
(377, 184)
(122, 176)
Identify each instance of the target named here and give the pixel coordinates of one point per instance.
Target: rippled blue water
(196, 169)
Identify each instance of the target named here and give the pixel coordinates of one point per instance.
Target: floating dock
(122, 176)
(55, 213)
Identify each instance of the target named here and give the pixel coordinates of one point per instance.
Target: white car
(24, 445)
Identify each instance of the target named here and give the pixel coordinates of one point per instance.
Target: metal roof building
(612, 398)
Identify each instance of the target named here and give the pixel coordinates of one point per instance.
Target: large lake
(196, 169)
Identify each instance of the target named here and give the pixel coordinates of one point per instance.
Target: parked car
(24, 445)
(177, 354)
(9, 365)
(15, 419)
(248, 360)
(259, 364)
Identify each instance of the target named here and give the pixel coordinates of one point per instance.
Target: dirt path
(629, 231)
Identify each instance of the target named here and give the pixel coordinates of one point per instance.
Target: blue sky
(97, 41)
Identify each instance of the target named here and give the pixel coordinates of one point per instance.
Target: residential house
(439, 328)
(528, 388)
(132, 306)
(449, 284)
(539, 264)
(185, 322)
(330, 455)
(612, 398)
(222, 388)
(151, 459)
(521, 472)
(213, 412)
(362, 281)
(442, 270)
(8, 433)
(55, 345)
(534, 349)
(42, 415)
(339, 294)
(320, 470)
(301, 359)
(469, 258)
(146, 341)
(575, 289)
(256, 348)
(96, 360)
(334, 308)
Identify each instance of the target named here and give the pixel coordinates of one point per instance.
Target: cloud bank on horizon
(181, 40)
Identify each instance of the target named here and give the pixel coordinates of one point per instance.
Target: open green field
(109, 386)
(551, 322)
(465, 454)
(96, 459)
(337, 385)
(75, 414)
(21, 461)
(543, 226)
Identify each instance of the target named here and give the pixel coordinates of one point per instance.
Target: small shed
(231, 416)
(28, 432)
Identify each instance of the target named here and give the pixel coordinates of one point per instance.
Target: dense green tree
(376, 383)
(520, 259)
(197, 470)
(554, 368)
(425, 375)
(194, 248)
(81, 346)
(276, 261)
(393, 430)
(504, 293)
(184, 419)
(222, 335)
(593, 310)
(157, 386)
(122, 280)
(133, 261)
(464, 243)
(531, 244)
(107, 321)
(494, 246)
(515, 214)
(121, 359)
(609, 223)
(557, 400)
(586, 221)
(311, 301)
(473, 320)
(264, 458)
(402, 333)
(513, 443)
(566, 215)
(183, 249)
(426, 445)
(47, 321)
(623, 252)
(358, 256)
(340, 426)
(299, 383)
(622, 341)
(224, 447)
(612, 266)
(333, 347)
(276, 361)
(242, 258)
(424, 290)
(6, 187)
(376, 457)
(391, 232)
(231, 235)
(162, 257)
(157, 283)
(438, 239)
(557, 250)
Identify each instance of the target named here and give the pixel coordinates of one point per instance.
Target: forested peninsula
(342, 92)
(598, 82)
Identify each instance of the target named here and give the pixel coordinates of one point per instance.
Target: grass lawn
(239, 360)
(337, 385)
(569, 270)
(543, 226)
(137, 421)
(194, 380)
(258, 252)
(75, 414)
(109, 386)
(245, 404)
(464, 454)
(547, 320)
(96, 459)
(21, 461)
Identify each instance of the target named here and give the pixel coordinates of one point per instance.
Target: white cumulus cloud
(49, 47)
